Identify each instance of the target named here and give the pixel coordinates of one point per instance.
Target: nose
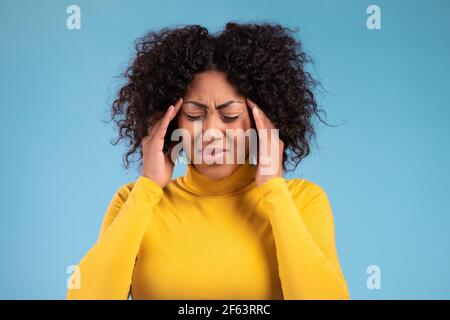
(213, 121)
(213, 128)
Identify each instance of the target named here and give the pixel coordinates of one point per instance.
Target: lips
(214, 150)
(214, 153)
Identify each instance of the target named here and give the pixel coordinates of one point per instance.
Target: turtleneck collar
(241, 179)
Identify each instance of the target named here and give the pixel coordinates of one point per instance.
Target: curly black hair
(263, 61)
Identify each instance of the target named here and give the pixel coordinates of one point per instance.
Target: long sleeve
(106, 270)
(303, 229)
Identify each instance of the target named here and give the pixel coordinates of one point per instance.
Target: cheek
(187, 128)
(244, 123)
(185, 125)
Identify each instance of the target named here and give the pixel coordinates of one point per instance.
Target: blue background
(384, 168)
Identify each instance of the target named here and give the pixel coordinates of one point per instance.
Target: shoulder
(144, 188)
(123, 191)
(306, 192)
(120, 196)
(143, 184)
(304, 186)
(313, 204)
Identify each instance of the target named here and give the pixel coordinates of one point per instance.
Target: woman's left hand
(270, 147)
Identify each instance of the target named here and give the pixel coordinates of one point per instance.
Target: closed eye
(199, 117)
(196, 118)
(230, 118)
(193, 117)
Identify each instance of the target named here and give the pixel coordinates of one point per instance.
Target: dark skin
(212, 100)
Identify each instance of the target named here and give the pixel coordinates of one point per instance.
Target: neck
(242, 178)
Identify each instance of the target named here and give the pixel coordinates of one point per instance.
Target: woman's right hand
(156, 165)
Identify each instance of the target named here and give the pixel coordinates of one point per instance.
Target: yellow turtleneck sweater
(200, 238)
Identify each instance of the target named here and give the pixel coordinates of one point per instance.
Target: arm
(106, 270)
(303, 230)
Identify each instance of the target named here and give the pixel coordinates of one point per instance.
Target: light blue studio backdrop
(385, 168)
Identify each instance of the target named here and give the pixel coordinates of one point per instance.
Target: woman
(226, 229)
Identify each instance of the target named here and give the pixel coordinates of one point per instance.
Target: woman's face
(212, 105)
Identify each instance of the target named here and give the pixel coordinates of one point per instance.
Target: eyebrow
(220, 106)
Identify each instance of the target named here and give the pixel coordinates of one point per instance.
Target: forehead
(211, 85)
